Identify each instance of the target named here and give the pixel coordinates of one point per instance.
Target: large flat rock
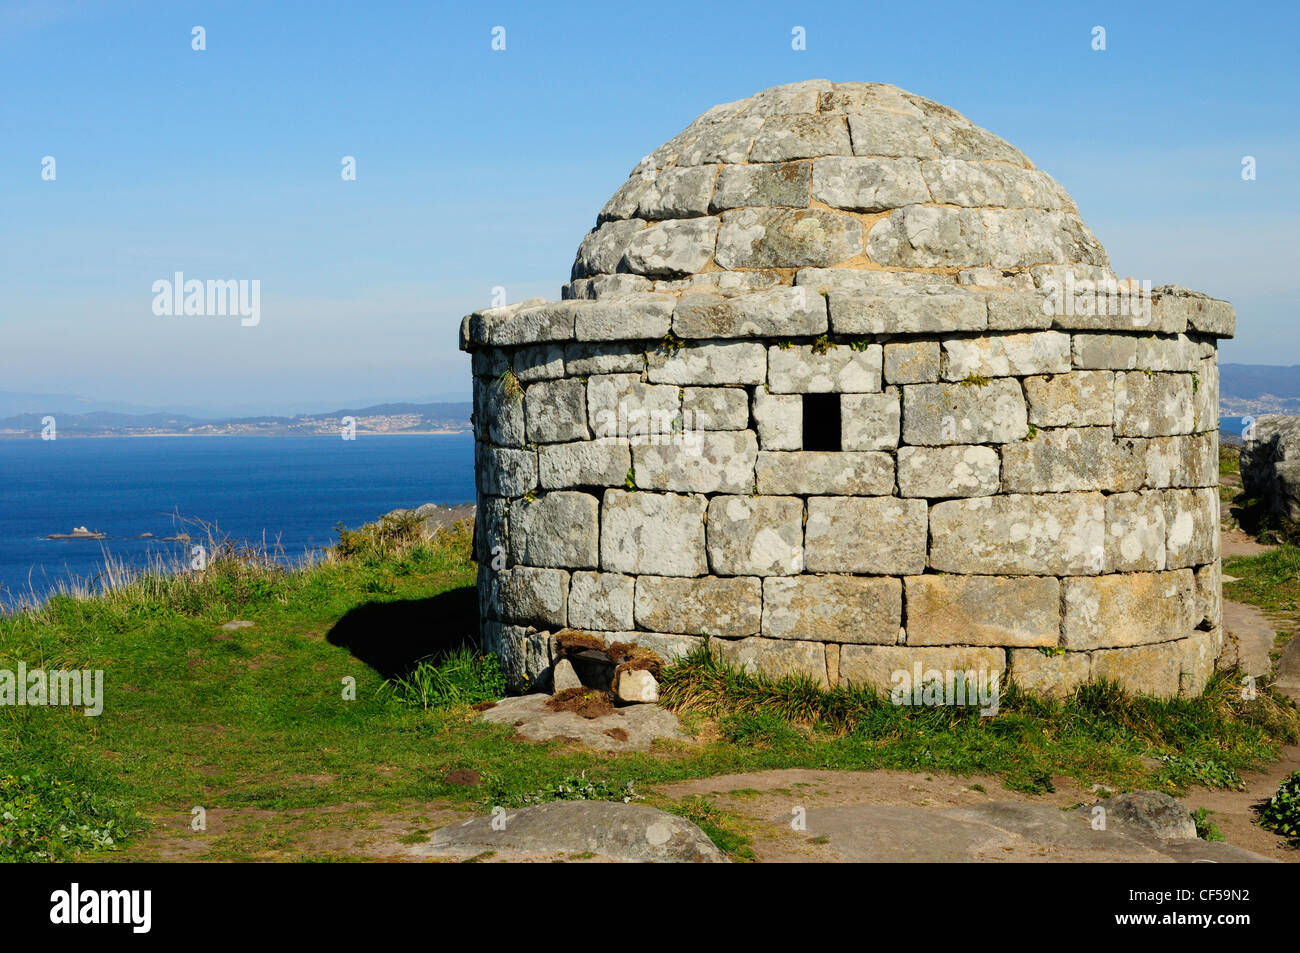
(632, 728)
(594, 830)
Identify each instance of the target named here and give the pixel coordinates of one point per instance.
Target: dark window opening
(821, 421)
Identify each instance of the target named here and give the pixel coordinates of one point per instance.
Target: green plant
(1031, 433)
(571, 787)
(672, 342)
(461, 677)
(976, 380)
(629, 481)
(720, 827)
(1281, 814)
(1206, 829)
(823, 344)
(861, 344)
(510, 386)
(46, 819)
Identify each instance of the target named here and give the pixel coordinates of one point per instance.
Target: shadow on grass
(391, 637)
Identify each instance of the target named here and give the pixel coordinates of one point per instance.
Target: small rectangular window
(821, 421)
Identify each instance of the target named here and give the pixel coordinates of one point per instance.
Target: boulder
(1270, 463)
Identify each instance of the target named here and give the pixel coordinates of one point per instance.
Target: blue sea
(291, 489)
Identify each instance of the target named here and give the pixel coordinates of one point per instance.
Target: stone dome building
(843, 382)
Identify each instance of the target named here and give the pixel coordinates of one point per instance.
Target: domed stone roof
(863, 176)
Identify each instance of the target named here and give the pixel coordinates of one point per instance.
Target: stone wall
(1016, 490)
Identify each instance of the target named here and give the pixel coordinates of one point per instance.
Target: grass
(350, 699)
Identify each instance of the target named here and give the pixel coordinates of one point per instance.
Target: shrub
(1281, 814)
(45, 819)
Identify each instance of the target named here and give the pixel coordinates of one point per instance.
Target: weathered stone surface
(912, 362)
(1017, 310)
(1205, 397)
(1057, 461)
(875, 665)
(983, 610)
(784, 238)
(563, 677)
(1191, 460)
(800, 137)
(1135, 532)
(868, 184)
(1130, 609)
(715, 408)
(623, 203)
(504, 472)
(658, 533)
(556, 411)
(601, 600)
(525, 653)
(1104, 351)
(1006, 355)
(854, 282)
(603, 248)
(557, 529)
(672, 248)
(630, 833)
(1153, 404)
(678, 193)
(986, 184)
(724, 284)
(636, 686)
(825, 472)
(908, 310)
(535, 596)
(775, 658)
(957, 137)
(636, 317)
(489, 528)
(1076, 399)
(1209, 594)
(721, 462)
(833, 608)
(870, 421)
(801, 370)
(768, 184)
(620, 405)
(889, 134)
(946, 472)
(1178, 354)
(725, 142)
(1056, 534)
(1156, 814)
(877, 535)
(1199, 651)
(498, 414)
(778, 312)
(539, 363)
(940, 414)
(1191, 526)
(603, 462)
(1143, 669)
(1205, 314)
(779, 419)
(755, 535)
(727, 608)
(924, 236)
(738, 362)
(1050, 676)
(1269, 463)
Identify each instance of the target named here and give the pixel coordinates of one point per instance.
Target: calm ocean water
(294, 488)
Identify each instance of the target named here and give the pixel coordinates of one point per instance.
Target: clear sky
(477, 168)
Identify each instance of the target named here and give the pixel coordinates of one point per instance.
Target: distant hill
(381, 418)
(1258, 389)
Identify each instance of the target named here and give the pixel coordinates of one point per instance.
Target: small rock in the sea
(563, 676)
(637, 685)
(237, 624)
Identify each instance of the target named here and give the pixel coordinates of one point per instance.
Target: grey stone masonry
(842, 382)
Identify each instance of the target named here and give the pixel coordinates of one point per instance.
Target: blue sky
(478, 168)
